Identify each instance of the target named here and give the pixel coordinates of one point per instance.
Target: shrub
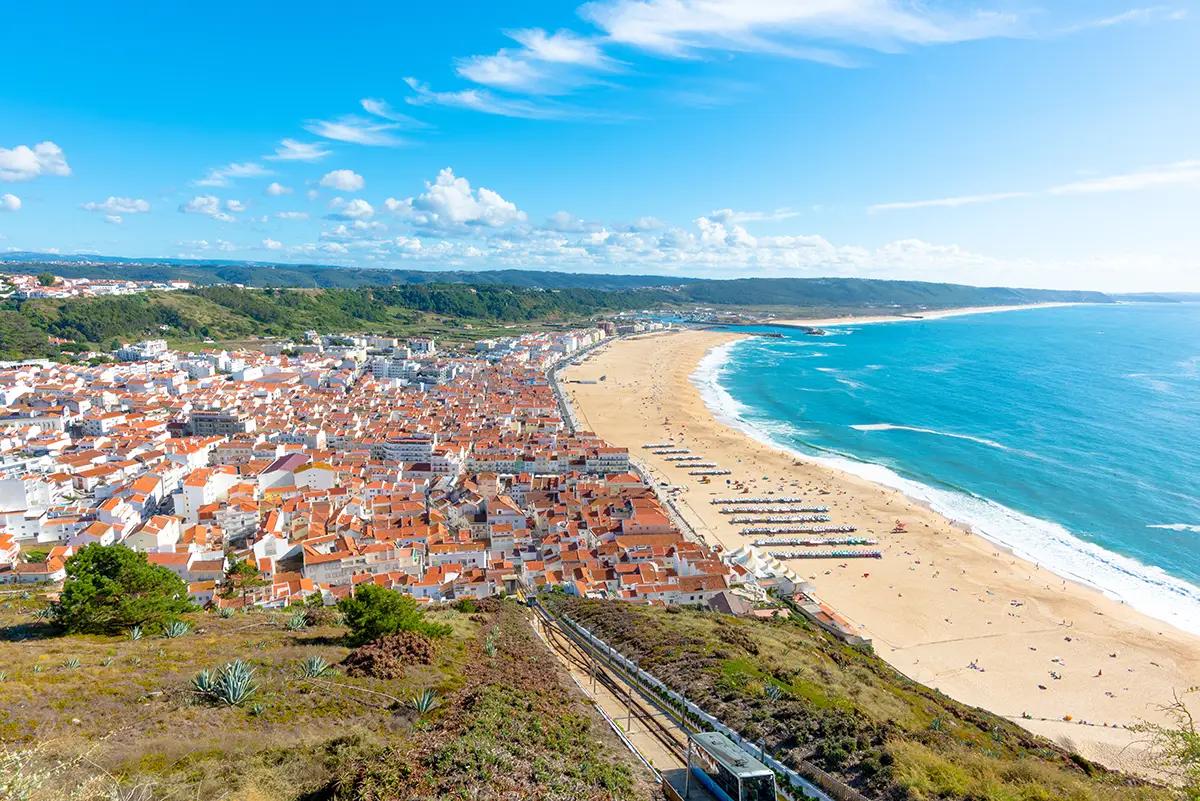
(387, 657)
(321, 616)
(374, 611)
(110, 588)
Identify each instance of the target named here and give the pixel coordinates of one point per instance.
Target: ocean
(1070, 435)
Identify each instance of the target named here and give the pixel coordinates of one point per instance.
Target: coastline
(941, 599)
(916, 316)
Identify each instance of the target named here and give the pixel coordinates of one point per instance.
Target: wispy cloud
(291, 150)
(224, 176)
(484, 101)
(1181, 173)
(546, 64)
(965, 200)
(681, 27)
(356, 130)
(1136, 16)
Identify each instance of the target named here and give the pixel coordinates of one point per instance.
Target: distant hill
(312, 276)
(1158, 297)
(844, 293)
(863, 293)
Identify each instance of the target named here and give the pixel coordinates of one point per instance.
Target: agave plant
(257, 709)
(106, 661)
(3, 675)
(177, 628)
(297, 621)
(235, 683)
(205, 683)
(134, 633)
(489, 647)
(45, 613)
(71, 663)
(225, 611)
(773, 691)
(37, 668)
(424, 701)
(314, 667)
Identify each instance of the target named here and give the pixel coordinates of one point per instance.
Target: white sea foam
(889, 427)
(1147, 588)
(1177, 527)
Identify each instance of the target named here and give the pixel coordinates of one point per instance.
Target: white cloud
(291, 150)
(208, 206)
(10, 203)
(119, 205)
(235, 205)
(292, 215)
(1180, 173)
(563, 47)
(312, 194)
(275, 189)
(356, 130)
(965, 200)
(334, 247)
(223, 176)
(359, 229)
(546, 64)
(450, 201)
(565, 221)
(271, 244)
(343, 181)
(24, 163)
(678, 27)
(113, 219)
(647, 224)
(482, 101)
(355, 209)
(729, 216)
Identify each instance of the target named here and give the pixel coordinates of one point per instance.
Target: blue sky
(1002, 142)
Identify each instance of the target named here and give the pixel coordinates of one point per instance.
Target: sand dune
(941, 599)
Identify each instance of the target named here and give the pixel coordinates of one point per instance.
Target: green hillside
(813, 699)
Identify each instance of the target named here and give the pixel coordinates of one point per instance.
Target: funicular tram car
(726, 770)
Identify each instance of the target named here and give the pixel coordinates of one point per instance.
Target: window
(758, 788)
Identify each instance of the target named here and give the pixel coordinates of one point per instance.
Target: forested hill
(863, 293)
(312, 276)
(849, 293)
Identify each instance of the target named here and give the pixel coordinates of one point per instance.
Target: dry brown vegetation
(126, 716)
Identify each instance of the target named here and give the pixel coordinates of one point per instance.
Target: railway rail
(668, 736)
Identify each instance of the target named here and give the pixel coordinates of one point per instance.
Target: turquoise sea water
(1071, 435)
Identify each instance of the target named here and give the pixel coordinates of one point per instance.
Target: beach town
(583, 461)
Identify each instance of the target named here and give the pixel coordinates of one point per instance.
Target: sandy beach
(924, 315)
(944, 606)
